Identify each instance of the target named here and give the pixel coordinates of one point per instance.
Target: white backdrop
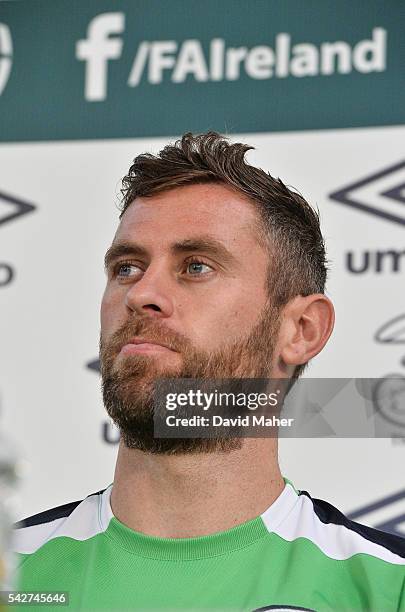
(49, 325)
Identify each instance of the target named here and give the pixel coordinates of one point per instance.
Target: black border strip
(52, 514)
(329, 514)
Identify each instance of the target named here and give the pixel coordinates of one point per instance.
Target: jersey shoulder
(353, 536)
(79, 520)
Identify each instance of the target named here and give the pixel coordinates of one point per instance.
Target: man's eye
(125, 270)
(198, 268)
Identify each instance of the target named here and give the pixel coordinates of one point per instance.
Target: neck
(180, 496)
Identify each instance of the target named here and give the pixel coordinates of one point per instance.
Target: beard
(128, 383)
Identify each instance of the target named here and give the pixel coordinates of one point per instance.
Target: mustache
(145, 328)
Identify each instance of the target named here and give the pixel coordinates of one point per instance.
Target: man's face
(186, 296)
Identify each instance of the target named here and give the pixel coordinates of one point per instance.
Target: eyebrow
(205, 244)
(119, 249)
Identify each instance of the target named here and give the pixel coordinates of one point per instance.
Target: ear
(307, 322)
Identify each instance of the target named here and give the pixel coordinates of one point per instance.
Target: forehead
(210, 209)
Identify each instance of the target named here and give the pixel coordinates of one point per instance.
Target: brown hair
(289, 225)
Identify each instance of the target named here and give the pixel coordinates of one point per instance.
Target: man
(217, 270)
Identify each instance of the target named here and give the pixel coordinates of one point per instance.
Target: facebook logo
(97, 49)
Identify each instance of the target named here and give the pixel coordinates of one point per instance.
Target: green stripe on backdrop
(80, 69)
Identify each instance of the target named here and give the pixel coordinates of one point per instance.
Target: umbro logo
(12, 207)
(94, 365)
(381, 194)
(386, 514)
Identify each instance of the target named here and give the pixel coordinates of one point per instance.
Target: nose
(152, 294)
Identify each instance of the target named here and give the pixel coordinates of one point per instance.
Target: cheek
(227, 320)
(112, 313)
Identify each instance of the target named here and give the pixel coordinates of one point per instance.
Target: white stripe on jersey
(335, 541)
(89, 518)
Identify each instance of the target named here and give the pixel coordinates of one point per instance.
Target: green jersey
(300, 554)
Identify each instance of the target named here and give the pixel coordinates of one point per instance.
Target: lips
(143, 345)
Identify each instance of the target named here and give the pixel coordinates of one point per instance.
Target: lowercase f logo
(97, 49)
(6, 51)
